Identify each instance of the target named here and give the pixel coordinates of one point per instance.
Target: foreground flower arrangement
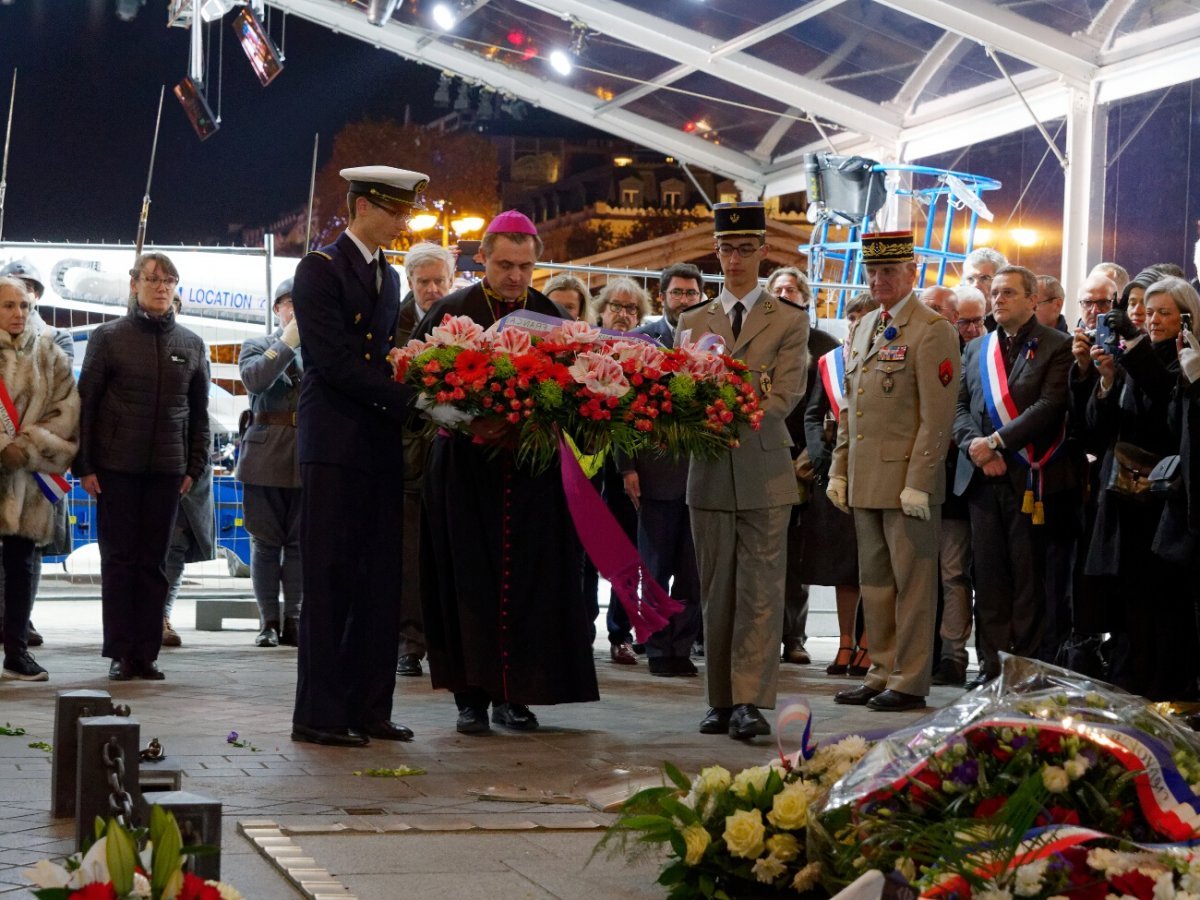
(124, 863)
(605, 392)
(1042, 785)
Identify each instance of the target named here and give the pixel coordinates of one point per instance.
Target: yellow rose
(697, 840)
(789, 809)
(755, 777)
(714, 778)
(783, 846)
(744, 833)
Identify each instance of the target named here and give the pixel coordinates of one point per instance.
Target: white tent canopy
(745, 89)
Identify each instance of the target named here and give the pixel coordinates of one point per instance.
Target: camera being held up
(1111, 328)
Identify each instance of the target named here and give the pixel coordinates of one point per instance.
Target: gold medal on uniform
(888, 383)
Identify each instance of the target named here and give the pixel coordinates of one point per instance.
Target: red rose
(925, 785)
(1135, 884)
(195, 889)
(989, 806)
(95, 891)
(1058, 815)
(1049, 742)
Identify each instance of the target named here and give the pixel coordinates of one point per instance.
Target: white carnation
(1055, 779)
(1076, 767)
(1028, 882)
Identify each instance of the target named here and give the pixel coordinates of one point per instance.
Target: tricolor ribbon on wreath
(54, 486)
(1002, 410)
(832, 368)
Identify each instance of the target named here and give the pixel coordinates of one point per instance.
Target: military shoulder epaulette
(320, 253)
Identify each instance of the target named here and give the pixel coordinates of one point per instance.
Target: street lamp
(439, 217)
(466, 225)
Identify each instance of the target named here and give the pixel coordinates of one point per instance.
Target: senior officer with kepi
(351, 413)
(889, 469)
(741, 502)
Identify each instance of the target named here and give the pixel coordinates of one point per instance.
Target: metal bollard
(70, 707)
(106, 782)
(199, 819)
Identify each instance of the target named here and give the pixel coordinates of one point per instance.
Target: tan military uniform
(901, 394)
(741, 502)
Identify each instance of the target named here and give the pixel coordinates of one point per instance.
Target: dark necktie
(738, 311)
(1006, 348)
(374, 267)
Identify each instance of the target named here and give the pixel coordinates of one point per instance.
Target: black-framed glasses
(155, 280)
(978, 320)
(742, 250)
(1102, 305)
(679, 293)
(631, 308)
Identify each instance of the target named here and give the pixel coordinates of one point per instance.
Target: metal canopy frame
(1072, 75)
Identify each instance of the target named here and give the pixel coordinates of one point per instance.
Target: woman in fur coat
(39, 434)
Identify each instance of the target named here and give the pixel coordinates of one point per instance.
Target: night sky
(87, 93)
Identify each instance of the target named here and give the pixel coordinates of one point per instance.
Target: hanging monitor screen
(259, 47)
(196, 108)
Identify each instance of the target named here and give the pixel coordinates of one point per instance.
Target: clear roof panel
(1067, 16)
(722, 20)
(970, 67)
(1148, 13)
(715, 110)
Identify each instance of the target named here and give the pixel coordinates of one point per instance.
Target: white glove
(838, 491)
(291, 334)
(442, 413)
(914, 503)
(1189, 357)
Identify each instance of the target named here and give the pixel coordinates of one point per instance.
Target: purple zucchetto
(511, 222)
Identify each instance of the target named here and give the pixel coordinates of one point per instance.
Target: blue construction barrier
(227, 508)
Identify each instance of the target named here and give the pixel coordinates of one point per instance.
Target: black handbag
(1135, 472)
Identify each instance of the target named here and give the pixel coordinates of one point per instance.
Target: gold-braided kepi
(739, 218)
(887, 247)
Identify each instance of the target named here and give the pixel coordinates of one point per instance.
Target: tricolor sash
(55, 487)
(832, 367)
(1002, 409)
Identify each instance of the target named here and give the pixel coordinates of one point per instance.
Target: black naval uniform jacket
(349, 414)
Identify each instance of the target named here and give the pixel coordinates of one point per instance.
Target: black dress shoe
(120, 670)
(387, 731)
(269, 636)
(409, 664)
(147, 669)
(717, 720)
(32, 637)
(473, 721)
(979, 681)
(747, 722)
(859, 696)
(290, 636)
(895, 701)
(662, 666)
(516, 716)
(684, 667)
(950, 671)
(340, 737)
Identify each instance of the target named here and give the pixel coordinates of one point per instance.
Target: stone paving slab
(219, 682)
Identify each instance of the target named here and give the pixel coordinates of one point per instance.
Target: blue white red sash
(55, 487)
(1002, 410)
(832, 367)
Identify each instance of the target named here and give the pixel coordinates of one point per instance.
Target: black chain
(120, 804)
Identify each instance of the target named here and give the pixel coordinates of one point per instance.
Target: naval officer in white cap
(347, 297)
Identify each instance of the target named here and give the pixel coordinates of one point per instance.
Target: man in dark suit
(271, 369)
(351, 412)
(1010, 428)
(657, 487)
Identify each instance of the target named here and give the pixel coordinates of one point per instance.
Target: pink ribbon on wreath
(613, 554)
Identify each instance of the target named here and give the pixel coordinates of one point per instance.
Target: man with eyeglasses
(979, 268)
(144, 440)
(350, 419)
(972, 314)
(657, 487)
(741, 502)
